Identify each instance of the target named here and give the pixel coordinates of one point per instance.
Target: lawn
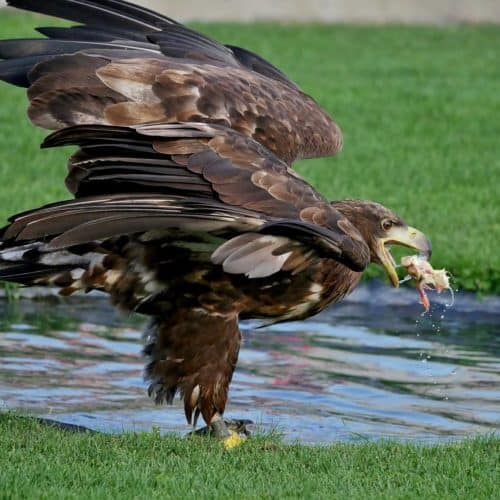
(42, 462)
(419, 107)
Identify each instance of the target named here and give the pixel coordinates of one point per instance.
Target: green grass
(419, 108)
(42, 462)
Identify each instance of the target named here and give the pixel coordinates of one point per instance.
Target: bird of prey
(186, 207)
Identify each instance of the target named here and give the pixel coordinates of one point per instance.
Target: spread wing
(169, 184)
(127, 65)
(161, 209)
(206, 162)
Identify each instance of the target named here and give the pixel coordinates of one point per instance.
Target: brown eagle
(186, 207)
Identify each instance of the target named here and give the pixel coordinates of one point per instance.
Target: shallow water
(369, 368)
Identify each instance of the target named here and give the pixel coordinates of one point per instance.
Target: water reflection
(365, 369)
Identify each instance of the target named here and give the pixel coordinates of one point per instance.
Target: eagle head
(380, 228)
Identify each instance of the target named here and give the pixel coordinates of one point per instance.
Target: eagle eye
(387, 224)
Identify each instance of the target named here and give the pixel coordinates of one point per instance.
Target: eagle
(185, 204)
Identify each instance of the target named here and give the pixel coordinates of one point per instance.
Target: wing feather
(222, 166)
(127, 65)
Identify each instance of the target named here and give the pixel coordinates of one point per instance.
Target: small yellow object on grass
(233, 440)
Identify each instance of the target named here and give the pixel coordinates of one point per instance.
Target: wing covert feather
(127, 65)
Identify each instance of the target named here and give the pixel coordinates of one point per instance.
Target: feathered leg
(194, 351)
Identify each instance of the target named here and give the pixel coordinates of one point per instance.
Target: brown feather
(133, 113)
(176, 363)
(234, 169)
(66, 89)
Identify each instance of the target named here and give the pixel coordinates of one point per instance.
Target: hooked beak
(401, 235)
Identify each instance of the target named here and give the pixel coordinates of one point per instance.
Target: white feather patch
(269, 267)
(17, 253)
(256, 256)
(121, 78)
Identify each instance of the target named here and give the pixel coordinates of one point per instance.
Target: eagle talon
(240, 426)
(225, 428)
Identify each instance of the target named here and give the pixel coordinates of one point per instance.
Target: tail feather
(33, 274)
(28, 264)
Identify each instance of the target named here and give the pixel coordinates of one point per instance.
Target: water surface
(368, 368)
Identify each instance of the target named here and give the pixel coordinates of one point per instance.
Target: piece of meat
(426, 276)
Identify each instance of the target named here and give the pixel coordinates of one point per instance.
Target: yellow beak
(401, 235)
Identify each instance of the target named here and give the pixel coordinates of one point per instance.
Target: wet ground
(371, 367)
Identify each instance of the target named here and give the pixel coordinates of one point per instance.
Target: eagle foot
(224, 428)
